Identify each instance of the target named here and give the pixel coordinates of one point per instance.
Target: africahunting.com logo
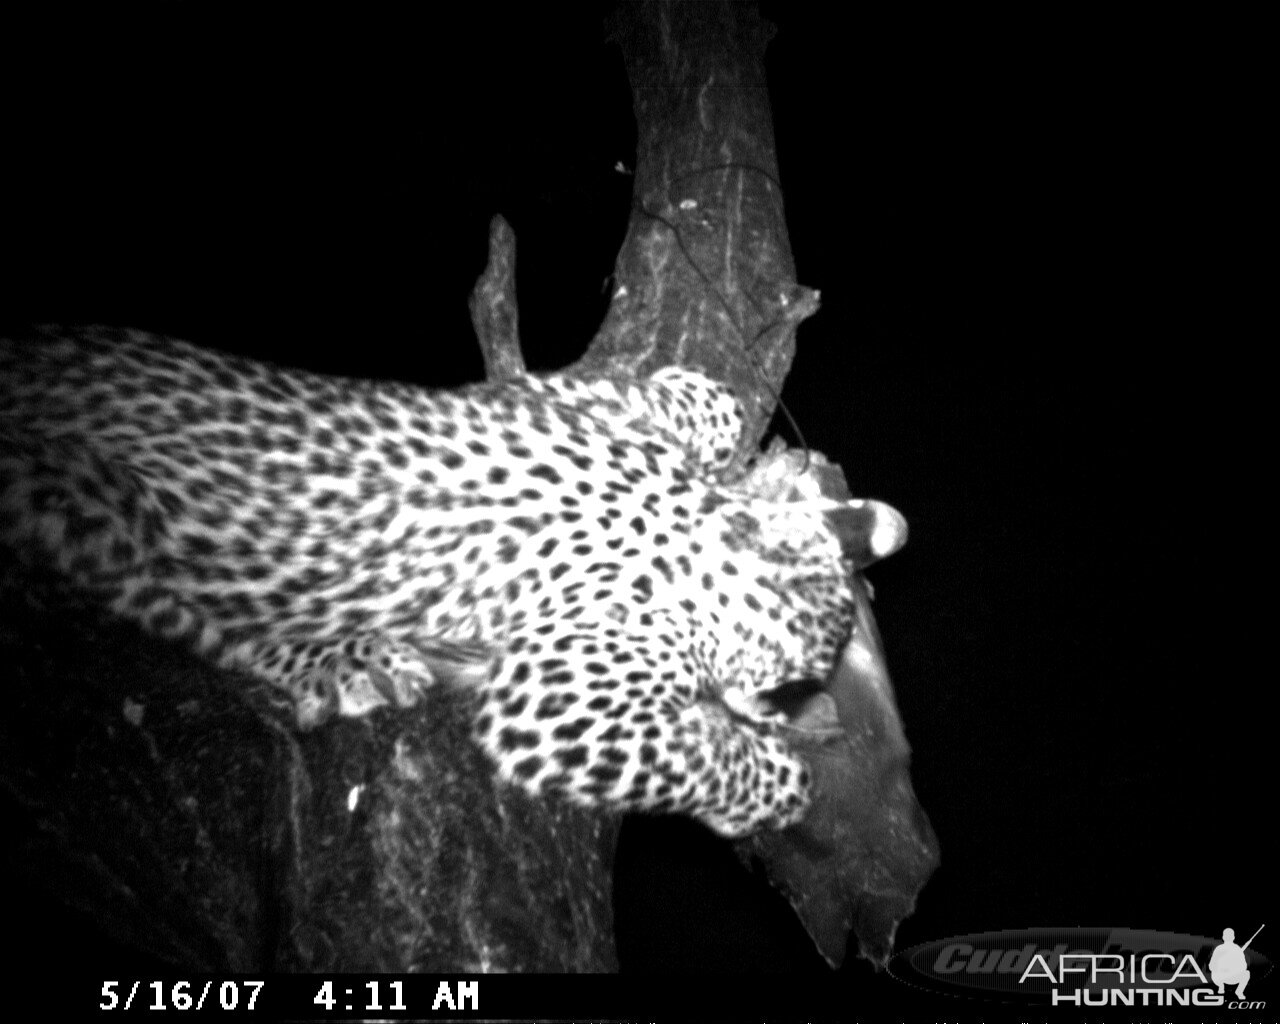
(1080, 967)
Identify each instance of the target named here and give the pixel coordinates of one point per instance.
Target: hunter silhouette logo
(1089, 967)
(1227, 966)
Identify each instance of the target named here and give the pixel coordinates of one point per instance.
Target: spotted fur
(579, 550)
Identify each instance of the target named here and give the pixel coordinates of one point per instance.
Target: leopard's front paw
(352, 676)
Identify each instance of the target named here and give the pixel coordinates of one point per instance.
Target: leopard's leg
(607, 717)
(74, 515)
(86, 527)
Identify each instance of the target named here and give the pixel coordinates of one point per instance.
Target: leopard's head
(792, 519)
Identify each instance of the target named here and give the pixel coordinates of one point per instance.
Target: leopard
(589, 554)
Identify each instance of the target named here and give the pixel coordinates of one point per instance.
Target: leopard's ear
(868, 530)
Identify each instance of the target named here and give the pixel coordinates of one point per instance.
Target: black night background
(1033, 240)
